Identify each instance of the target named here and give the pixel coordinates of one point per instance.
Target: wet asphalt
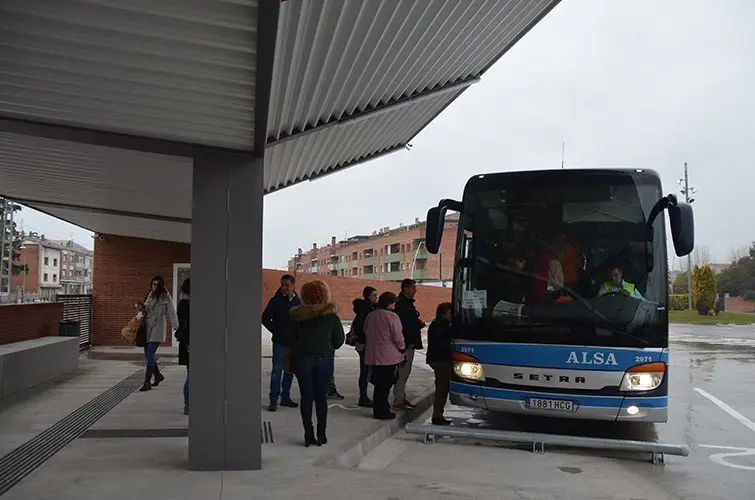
(711, 410)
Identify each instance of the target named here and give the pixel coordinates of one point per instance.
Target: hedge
(678, 302)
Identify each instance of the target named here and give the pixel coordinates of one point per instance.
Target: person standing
(316, 333)
(156, 305)
(363, 307)
(439, 359)
(412, 326)
(383, 352)
(277, 318)
(182, 334)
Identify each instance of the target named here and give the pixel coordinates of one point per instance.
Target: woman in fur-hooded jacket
(316, 334)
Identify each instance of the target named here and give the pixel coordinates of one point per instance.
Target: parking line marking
(728, 409)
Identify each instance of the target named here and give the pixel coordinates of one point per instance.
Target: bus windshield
(565, 257)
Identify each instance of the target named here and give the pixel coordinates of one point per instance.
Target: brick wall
(345, 290)
(124, 267)
(20, 322)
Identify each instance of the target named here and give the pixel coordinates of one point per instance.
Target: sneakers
(335, 395)
(402, 406)
(386, 416)
(440, 421)
(365, 402)
(289, 403)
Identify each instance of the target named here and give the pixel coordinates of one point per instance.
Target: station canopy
(104, 103)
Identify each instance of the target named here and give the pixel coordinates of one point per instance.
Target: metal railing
(538, 441)
(79, 308)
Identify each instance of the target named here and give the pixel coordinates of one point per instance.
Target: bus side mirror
(682, 228)
(434, 231)
(436, 220)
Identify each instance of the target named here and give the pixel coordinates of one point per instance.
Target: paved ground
(712, 405)
(712, 411)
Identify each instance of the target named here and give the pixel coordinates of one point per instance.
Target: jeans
(278, 376)
(382, 379)
(442, 386)
(364, 373)
(399, 392)
(186, 388)
(313, 373)
(150, 351)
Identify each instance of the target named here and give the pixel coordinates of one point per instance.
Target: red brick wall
(345, 290)
(123, 268)
(739, 304)
(20, 322)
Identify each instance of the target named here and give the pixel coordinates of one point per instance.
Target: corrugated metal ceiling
(172, 69)
(68, 173)
(336, 58)
(331, 148)
(121, 225)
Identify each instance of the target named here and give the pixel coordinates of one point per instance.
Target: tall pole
(689, 256)
(2, 242)
(10, 246)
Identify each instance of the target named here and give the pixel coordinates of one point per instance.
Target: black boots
(309, 437)
(158, 376)
(147, 379)
(321, 437)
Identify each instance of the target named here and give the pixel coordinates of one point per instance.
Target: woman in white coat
(156, 305)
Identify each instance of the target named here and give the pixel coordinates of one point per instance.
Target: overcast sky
(641, 83)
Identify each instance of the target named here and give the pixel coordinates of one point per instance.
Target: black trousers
(383, 378)
(442, 386)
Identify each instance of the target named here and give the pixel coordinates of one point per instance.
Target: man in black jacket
(412, 326)
(277, 318)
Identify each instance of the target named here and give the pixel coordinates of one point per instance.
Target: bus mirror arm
(682, 223)
(436, 218)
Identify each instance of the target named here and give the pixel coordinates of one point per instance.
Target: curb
(353, 452)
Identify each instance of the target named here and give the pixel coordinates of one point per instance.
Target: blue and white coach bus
(560, 292)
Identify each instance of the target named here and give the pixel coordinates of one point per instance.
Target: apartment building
(42, 280)
(385, 255)
(75, 268)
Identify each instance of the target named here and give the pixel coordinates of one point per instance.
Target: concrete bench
(26, 364)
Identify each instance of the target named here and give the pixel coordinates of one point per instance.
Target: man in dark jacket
(277, 318)
(412, 326)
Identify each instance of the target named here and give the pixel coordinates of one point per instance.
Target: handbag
(351, 337)
(141, 335)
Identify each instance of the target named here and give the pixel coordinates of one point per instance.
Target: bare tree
(737, 253)
(702, 256)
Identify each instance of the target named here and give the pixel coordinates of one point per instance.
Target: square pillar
(226, 271)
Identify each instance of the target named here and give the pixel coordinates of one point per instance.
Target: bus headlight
(468, 367)
(643, 377)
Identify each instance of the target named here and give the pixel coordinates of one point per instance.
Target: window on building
(54, 278)
(55, 262)
(45, 278)
(47, 261)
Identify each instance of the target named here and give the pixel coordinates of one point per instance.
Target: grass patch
(725, 317)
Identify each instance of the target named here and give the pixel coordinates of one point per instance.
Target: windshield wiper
(573, 293)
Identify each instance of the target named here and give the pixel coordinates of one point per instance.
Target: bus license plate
(550, 404)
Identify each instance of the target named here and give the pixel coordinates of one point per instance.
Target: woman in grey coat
(156, 305)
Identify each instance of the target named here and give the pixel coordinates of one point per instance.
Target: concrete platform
(139, 449)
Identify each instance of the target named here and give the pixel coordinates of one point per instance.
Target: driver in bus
(617, 284)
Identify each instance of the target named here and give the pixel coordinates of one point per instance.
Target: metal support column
(226, 268)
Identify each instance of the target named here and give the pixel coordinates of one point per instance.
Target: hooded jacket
(362, 307)
(410, 322)
(315, 329)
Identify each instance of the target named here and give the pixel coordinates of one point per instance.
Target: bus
(560, 292)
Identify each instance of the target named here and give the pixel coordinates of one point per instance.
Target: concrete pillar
(226, 272)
